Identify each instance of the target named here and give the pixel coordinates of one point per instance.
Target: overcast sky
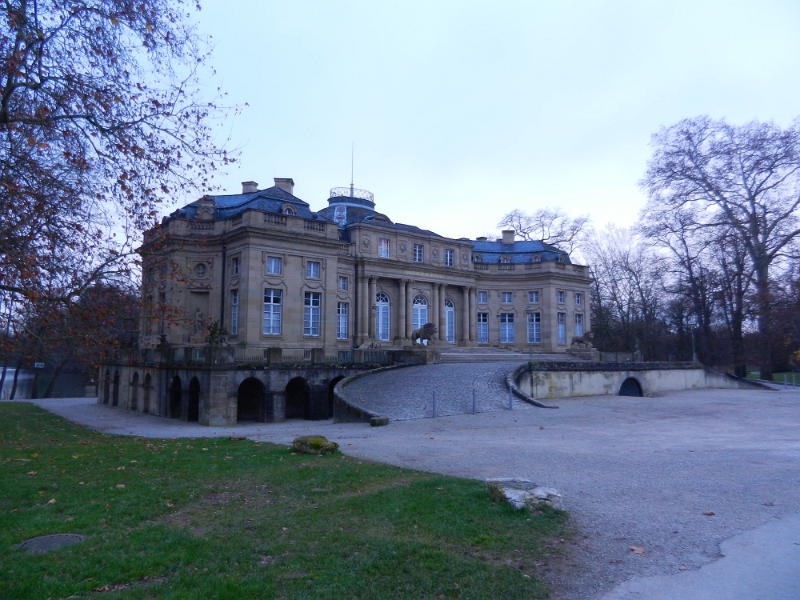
(462, 111)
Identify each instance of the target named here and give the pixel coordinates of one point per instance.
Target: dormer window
(536, 258)
(562, 259)
(505, 259)
(477, 258)
(288, 210)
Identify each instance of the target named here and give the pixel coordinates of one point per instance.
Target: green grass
(777, 377)
(216, 518)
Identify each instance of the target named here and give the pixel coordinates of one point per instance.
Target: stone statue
(372, 345)
(583, 341)
(426, 332)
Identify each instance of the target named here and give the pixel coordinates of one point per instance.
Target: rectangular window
(506, 328)
(312, 269)
(311, 307)
(273, 265)
(234, 312)
(342, 283)
(341, 320)
(449, 258)
(533, 297)
(418, 253)
(483, 328)
(560, 297)
(578, 299)
(562, 328)
(271, 322)
(482, 297)
(383, 248)
(507, 297)
(535, 328)
(235, 265)
(578, 324)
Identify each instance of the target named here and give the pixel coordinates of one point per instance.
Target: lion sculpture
(583, 341)
(426, 332)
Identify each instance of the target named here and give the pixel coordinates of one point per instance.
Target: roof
(518, 252)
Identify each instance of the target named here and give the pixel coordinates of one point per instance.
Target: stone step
(475, 357)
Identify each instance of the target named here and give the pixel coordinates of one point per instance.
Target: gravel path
(632, 471)
(402, 394)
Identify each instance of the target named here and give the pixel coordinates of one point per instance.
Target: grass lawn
(218, 518)
(781, 377)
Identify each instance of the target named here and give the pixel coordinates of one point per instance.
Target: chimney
(286, 184)
(248, 187)
(508, 236)
(481, 238)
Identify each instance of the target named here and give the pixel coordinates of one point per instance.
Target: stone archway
(250, 404)
(106, 387)
(148, 382)
(298, 399)
(630, 387)
(175, 392)
(134, 392)
(115, 390)
(193, 409)
(331, 397)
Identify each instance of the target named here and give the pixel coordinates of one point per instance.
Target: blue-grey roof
(518, 252)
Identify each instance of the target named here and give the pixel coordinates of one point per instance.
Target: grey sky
(462, 111)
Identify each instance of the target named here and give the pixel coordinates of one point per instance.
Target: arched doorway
(298, 398)
(115, 393)
(449, 321)
(106, 387)
(250, 400)
(146, 400)
(134, 391)
(331, 397)
(175, 398)
(419, 311)
(630, 387)
(193, 410)
(381, 316)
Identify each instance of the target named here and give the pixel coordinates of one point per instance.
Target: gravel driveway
(632, 471)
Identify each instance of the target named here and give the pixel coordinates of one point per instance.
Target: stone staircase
(456, 354)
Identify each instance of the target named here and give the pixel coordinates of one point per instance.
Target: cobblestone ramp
(403, 394)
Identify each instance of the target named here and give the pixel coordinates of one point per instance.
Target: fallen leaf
(768, 504)
(120, 468)
(31, 472)
(541, 427)
(169, 504)
(681, 568)
(34, 455)
(51, 501)
(637, 549)
(708, 513)
(120, 486)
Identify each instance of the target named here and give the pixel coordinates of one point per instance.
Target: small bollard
(434, 404)
(510, 400)
(474, 402)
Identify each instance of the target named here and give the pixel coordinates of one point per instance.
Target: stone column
(435, 309)
(464, 314)
(440, 308)
(401, 313)
(373, 283)
(473, 302)
(409, 308)
(363, 310)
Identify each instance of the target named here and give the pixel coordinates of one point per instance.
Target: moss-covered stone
(314, 444)
(379, 421)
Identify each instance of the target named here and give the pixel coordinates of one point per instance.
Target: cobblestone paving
(403, 394)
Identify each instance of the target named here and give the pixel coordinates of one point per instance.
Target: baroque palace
(300, 293)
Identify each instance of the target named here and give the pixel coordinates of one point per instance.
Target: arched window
(419, 311)
(476, 258)
(382, 316)
(505, 260)
(536, 258)
(288, 210)
(562, 258)
(449, 321)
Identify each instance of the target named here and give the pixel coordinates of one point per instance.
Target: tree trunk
(3, 378)
(52, 383)
(764, 322)
(14, 384)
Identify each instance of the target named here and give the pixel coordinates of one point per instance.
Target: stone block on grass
(523, 493)
(314, 444)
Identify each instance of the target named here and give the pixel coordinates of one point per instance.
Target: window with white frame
(536, 258)
(533, 297)
(477, 258)
(562, 328)
(578, 324)
(535, 328)
(273, 265)
(235, 265)
(506, 328)
(483, 328)
(449, 320)
(560, 297)
(271, 321)
(311, 308)
(382, 316)
(341, 320)
(312, 269)
(507, 297)
(342, 283)
(383, 248)
(483, 297)
(505, 260)
(578, 298)
(419, 311)
(418, 253)
(234, 312)
(449, 258)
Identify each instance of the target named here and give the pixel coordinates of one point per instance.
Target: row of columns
(467, 331)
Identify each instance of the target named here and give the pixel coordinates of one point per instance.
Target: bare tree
(745, 179)
(551, 226)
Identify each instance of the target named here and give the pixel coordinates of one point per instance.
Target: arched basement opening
(630, 387)
(298, 399)
(106, 387)
(175, 398)
(193, 410)
(134, 391)
(250, 400)
(331, 397)
(148, 381)
(115, 393)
